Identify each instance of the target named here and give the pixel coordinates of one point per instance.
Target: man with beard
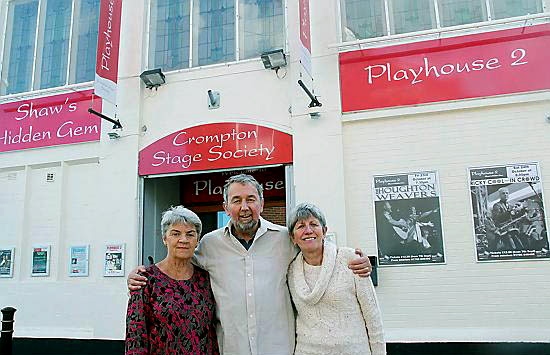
(248, 261)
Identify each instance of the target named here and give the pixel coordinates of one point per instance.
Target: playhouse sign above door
(216, 146)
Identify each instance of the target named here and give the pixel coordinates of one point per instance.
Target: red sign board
(108, 43)
(47, 121)
(216, 146)
(478, 65)
(208, 188)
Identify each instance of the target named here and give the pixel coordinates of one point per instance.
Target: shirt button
(250, 295)
(249, 274)
(251, 316)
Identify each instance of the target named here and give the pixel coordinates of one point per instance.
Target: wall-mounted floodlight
(274, 59)
(153, 78)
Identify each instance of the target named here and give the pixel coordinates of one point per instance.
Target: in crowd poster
(40, 260)
(79, 259)
(508, 212)
(408, 218)
(114, 260)
(6, 262)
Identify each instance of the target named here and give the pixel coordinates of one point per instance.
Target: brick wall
(275, 214)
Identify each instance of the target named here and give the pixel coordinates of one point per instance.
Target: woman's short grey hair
(180, 214)
(304, 211)
(242, 179)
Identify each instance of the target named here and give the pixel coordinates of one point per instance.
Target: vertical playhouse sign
(108, 44)
(48, 121)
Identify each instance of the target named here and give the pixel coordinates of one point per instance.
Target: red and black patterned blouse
(170, 316)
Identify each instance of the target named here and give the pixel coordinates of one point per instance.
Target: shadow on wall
(33, 346)
(469, 349)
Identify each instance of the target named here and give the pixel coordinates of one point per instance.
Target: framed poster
(508, 212)
(6, 261)
(40, 260)
(114, 260)
(408, 219)
(79, 260)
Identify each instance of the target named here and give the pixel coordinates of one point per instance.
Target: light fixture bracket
(116, 123)
(314, 101)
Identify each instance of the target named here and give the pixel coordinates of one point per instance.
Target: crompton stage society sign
(48, 121)
(479, 65)
(216, 146)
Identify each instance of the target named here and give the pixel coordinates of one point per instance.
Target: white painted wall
(461, 300)
(95, 198)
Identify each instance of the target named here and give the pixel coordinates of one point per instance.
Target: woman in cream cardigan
(337, 312)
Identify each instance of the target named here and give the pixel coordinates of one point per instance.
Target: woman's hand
(135, 281)
(360, 266)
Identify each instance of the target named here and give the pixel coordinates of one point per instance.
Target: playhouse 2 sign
(479, 65)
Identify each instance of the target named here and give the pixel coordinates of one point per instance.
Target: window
(460, 12)
(512, 8)
(362, 19)
(214, 31)
(49, 43)
(412, 15)
(186, 33)
(169, 39)
(261, 27)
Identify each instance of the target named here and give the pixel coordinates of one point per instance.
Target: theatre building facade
(419, 127)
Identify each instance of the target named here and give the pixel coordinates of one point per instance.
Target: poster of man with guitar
(508, 212)
(408, 222)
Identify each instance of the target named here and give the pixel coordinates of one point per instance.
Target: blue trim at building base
(40, 346)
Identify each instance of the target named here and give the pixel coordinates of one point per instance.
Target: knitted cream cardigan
(340, 315)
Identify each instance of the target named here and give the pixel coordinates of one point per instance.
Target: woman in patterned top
(175, 312)
(337, 311)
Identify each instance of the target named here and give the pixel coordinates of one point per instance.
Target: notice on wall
(508, 212)
(6, 261)
(114, 260)
(41, 260)
(408, 219)
(79, 260)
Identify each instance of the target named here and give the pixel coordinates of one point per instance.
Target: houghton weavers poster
(79, 260)
(508, 212)
(408, 218)
(41, 260)
(6, 262)
(114, 260)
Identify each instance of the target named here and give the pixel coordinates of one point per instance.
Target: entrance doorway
(203, 193)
